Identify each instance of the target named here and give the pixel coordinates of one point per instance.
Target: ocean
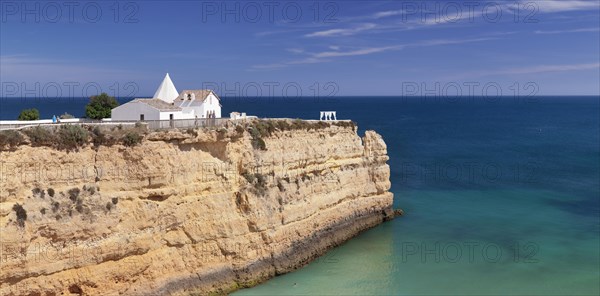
(500, 195)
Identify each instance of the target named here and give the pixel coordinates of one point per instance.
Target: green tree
(29, 114)
(100, 106)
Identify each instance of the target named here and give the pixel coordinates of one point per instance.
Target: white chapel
(168, 104)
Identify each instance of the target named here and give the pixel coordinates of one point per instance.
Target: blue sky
(342, 48)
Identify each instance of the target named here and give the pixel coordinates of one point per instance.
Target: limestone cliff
(185, 212)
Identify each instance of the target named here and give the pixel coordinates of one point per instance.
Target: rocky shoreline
(223, 282)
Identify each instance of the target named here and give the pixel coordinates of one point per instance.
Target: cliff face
(184, 211)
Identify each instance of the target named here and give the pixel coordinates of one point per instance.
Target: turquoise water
(500, 198)
(377, 262)
(516, 178)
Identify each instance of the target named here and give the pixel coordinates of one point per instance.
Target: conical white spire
(166, 91)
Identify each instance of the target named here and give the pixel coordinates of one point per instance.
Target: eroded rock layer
(184, 212)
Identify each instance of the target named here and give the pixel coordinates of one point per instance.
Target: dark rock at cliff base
(388, 214)
(398, 212)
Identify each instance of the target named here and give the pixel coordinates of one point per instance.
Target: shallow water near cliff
(501, 196)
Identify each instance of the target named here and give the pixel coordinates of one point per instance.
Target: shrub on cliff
(298, 124)
(258, 180)
(249, 177)
(265, 127)
(261, 184)
(55, 206)
(261, 181)
(282, 125)
(221, 133)
(192, 132)
(21, 214)
(350, 124)
(10, 138)
(99, 137)
(239, 129)
(71, 137)
(38, 192)
(318, 125)
(73, 194)
(131, 139)
(238, 134)
(40, 136)
(66, 116)
(29, 114)
(79, 205)
(257, 141)
(100, 106)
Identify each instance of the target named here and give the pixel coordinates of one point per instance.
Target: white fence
(152, 124)
(19, 124)
(179, 123)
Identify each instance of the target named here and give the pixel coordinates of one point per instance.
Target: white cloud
(342, 32)
(308, 60)
(388, 13)
(560, 5)
(449, 41)
(568, 31)
(550, 68)
(326, 56)
(295, 50)
(533, 69)
(364, 51)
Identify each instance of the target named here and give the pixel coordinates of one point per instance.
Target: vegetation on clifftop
(100, 106)
(29, 114)
(66, 116)
(132, 138)
(71, 137)
(10, 139)
(74, 136)
(266, 128)
(261, 128)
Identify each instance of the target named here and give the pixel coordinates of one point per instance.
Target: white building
(168, 104)
(237, 115)
(147, 109)
(203, 103)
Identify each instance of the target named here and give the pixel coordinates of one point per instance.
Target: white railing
(185, 123)
(152, 124)
(20, 124)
